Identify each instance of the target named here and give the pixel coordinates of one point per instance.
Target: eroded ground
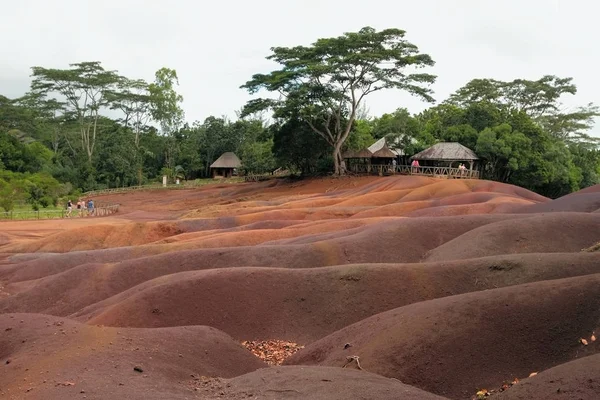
(419, 288)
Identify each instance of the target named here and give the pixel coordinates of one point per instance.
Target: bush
(46, 201)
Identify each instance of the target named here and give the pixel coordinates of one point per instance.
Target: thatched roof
(447, 151)
(384, 152)
(227, 160)
(364, 153)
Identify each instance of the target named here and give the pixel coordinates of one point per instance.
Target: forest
(87, 127)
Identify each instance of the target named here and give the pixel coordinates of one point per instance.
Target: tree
(297, 148)
(539, 99)
(257, 157)
(132, 98)
(85, 88)
(325, 83)
(503, 151)
(166, 108)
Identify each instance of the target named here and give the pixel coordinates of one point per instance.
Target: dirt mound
(546, 233)
(591, 189)
(314, 383)
(579, 379)
(312, 302)
(453, 346)
(384, 241)
(333, 263)
(49, 358)
(577, 202)
(100, 237)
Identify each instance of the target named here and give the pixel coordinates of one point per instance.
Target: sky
(217, 46)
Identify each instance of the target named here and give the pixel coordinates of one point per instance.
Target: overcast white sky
(217, 46)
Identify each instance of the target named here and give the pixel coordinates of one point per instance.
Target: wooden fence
(183, 185)
(100, 211)
(437, 172)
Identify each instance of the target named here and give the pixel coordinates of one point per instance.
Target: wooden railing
(99, 211)
(438, 172)
(156, 186)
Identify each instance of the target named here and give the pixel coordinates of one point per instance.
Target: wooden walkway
(436, 172)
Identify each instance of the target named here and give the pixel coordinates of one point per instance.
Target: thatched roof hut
(384, 152)
(227, 160)
(364, 153)
(350, 154)
(225, 165)
(446, 151)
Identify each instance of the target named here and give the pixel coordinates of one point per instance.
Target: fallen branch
(350, 359)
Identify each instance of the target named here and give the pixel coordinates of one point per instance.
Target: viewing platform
(435, 172)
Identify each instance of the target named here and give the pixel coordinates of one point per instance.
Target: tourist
(80, 207)
(462, 169)
(90, 207)
(69, 208)
(415, 166)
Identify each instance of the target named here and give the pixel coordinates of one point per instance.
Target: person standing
(90, 207)
(69, 208)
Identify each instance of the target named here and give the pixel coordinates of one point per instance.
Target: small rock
(8, 361)
(8, 329)
(347, 345)
(83, 391)
(138, 369)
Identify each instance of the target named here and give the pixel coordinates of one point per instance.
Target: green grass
(31, 214)
(27, 207)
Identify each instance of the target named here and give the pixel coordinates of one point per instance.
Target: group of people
(82, 207)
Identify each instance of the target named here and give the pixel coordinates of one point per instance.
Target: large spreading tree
(85, 88)
(324, 84)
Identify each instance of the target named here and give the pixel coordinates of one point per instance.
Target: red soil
(314, 383)
(453, 346)
(50, 358)
(577, 379)
(451, 286)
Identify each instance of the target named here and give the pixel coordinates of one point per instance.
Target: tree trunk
(337, 158)
(336, 162)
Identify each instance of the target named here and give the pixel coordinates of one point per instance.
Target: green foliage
(361, 135)
(33, 189)
(258, 158)
(85, 88)
(165, 102)
(297, 149)
(539, 99)
(325, 83)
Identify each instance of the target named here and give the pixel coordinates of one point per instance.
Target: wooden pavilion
(443, 159)
(225, 165)
(358, 161)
